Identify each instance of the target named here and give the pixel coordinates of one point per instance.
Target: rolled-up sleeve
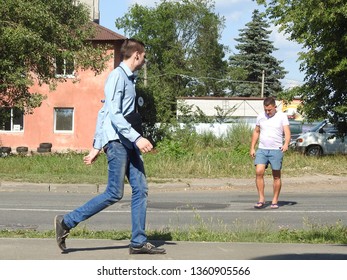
(98, 141)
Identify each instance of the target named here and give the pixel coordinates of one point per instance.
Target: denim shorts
(273, 157)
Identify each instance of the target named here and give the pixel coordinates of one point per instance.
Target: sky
(236, 13)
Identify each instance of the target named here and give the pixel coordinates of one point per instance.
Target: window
(63, 119)
(64, 67)
(11, 119)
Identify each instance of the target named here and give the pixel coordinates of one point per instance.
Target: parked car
(323, 139)
(295, 130)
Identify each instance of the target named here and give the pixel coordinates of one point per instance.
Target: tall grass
(183, 154)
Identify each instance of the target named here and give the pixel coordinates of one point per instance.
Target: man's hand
(252, 152)
(91, 157)
(144, 145)
(284, 148)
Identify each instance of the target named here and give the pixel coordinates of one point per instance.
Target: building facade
(66, 118)
(94, 9)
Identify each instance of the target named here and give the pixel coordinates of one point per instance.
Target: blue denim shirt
(120, 96)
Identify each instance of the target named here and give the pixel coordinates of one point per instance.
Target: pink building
(67, 118)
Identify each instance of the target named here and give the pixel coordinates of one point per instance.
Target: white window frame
(64, 73)
(14, 127)
(72, 120)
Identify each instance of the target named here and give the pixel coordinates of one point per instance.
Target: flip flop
(274, 206)
(259, 205)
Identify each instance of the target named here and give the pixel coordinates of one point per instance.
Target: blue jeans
(121, 161)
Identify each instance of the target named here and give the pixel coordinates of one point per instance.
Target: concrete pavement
(96, 249)
(292, 184)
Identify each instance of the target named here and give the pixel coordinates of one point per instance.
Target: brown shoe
(146, 248)
(61, 232)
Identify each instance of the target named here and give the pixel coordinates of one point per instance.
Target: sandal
(259, 205)
(274, 206)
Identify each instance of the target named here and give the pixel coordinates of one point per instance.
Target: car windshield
(317, 127)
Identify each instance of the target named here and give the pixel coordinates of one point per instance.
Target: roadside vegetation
(202, 231)
(183, 154)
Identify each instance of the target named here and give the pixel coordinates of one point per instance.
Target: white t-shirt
(271, 130)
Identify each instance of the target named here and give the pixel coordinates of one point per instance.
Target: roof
(105, 34)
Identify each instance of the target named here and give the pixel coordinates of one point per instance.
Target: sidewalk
(91, 249)
(327, 183)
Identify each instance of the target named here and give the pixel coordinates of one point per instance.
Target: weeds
(261, 231)
(181, 154)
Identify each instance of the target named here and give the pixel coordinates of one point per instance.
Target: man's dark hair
(269, 101)
(130, 46)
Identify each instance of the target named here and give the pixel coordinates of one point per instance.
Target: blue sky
(236, 13)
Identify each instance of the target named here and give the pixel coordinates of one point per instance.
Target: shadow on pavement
(72, 250)
(304, 257)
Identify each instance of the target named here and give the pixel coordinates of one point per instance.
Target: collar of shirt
(131, 75)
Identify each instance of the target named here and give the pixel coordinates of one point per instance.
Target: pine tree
(254, 57)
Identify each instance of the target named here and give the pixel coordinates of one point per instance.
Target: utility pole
(262, 84)
(145, 74)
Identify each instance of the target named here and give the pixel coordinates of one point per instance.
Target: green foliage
(222, 114)
(187, 114)
(239, 137)
(315, 233)
(254, 57)
(182, 46)
(210, 231)
(53, 168)
(320, 26)
(172, 149)
(181, 153)
(33, 35)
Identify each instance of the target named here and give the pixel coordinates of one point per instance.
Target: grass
(214, 162)
(202, 231)
(182, 154)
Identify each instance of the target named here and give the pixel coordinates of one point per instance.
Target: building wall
(84, 96)
(244, 107)
(94, 9)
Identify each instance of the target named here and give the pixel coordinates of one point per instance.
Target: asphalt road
(216, 203)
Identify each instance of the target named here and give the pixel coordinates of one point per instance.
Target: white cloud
(279, 38)
(233, 16)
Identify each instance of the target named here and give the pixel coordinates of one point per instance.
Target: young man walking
(123, 146)
(269, 129)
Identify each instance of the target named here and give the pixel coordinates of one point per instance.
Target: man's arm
(255, 137)
(97, 143)
(287, 136)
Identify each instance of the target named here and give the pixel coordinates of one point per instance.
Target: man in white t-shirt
(269, 129)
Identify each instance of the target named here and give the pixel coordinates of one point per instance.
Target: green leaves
(35, 33)
(254, 57)
(182, 47)
(321, 27)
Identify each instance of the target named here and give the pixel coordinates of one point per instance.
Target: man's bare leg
(259, 181)
(277, 184)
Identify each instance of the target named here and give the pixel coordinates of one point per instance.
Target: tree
(254, 57)
(321, 28)
(182, 49)
(34, 35)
